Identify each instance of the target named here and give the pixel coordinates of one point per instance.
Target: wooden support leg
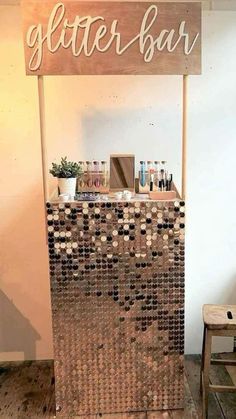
(206, 371)
(203, 353)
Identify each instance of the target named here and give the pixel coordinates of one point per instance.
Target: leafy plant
(66, 169)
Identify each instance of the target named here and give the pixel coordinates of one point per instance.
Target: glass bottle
(96, 173)
(149, 165)
(142, 173)
(104, 173)
(81, 178)
(89, 174)
(163, 172)
(157, 165)
(149, 169)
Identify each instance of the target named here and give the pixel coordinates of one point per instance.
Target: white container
(67, 186)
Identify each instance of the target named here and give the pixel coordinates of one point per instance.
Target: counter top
(112, 199)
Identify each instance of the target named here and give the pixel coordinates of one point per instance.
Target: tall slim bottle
(142, 174)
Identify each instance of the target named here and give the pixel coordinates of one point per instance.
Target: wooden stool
(219, 320)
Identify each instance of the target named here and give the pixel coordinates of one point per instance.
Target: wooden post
(43, 146)
(184, 137)
(43, 137)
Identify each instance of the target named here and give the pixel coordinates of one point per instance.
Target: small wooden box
(162, 196)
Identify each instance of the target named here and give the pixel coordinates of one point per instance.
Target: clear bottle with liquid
(89, 180)
(157, 167)
(81, 178)
(96, 174)
(142, 173)
(104, 180)
(149, 170)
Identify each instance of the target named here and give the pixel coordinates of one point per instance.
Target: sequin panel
(117, 290)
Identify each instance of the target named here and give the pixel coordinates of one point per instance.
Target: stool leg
(203, 353)
(206, 371)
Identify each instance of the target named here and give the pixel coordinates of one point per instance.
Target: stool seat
(219, 316)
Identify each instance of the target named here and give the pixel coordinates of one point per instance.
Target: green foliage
(66, 169)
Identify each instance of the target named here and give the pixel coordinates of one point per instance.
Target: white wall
(91, 117)
(25, 317)
(211, 222)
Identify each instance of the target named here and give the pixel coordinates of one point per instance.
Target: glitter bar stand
(117, 290)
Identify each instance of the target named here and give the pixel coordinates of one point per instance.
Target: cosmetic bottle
(81, 178)
(157, 165)
(164, 173)
(149, 165)
(89, 174)
(104, 180)
(164, 167)
(169, 182)
(96, 180)
(149, 168)
(142, 173)
(151, 188)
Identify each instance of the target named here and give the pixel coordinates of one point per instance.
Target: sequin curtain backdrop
(117, 290)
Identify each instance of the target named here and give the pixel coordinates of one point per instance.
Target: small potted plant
(67, 173)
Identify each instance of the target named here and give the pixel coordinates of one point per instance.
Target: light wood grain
(184, 135)
(227, 401)
(231, 370)
(43, 136)
(129, 16)
(25, 389)
(192, 370)
(215, 317)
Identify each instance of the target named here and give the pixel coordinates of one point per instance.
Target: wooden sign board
(80, 37)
